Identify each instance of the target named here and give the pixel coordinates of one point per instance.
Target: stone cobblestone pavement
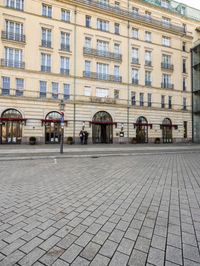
(116, 211)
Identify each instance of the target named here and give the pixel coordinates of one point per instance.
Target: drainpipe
(75, 74)
(128, 87)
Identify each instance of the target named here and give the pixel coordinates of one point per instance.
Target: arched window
(102, 116)
(167, 130)
(52, 128)
(142, 130)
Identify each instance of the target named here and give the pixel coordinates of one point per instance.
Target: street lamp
(62, 108)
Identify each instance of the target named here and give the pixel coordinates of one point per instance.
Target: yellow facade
(104, 84)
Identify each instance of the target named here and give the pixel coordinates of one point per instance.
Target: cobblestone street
(116, 211)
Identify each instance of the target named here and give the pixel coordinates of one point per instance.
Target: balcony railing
(64, 71)
(135, 81)
(148, 83)
(100, 53)
(12, 6)
(167, 66)
(45, 68)
(135, 61)
(148, 63)
(101, 76)
(131, 15)
(6, 35)
(11, 63)
(167, 86)
(65, 47)
(46, 43)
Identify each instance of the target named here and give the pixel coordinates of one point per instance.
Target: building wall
(35, 108)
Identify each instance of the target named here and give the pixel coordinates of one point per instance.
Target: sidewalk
(53, 151)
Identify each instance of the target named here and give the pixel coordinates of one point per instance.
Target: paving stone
(52, 255)
(66, 242)
(31, 245)
(116, 235)
(126, 246)
(142, 244)
(60, 263)
(90, 251)
(156, 257)
(71, 253)
(119, 259)
(78, 230)
(174, 255)
(100, 260)
(84, 239)
(80, 262)
(191, 253)
(94, 228)
(132, 233)
(32, 257)
(158, 242)
(108, 248)
(137, 258)
(12, 258)
(50, 242)
(12, 247)
(100, 237)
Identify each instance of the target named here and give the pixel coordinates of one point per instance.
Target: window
(66, 91)
(166, 81)
(162, 101)
(65, 15)
(88, 42)
(15, 4)
(5, 85)
(14, 31)
(184, 103)
(117, 48)
(135, 56)
(135, 33)
(116, 28)
(147, 78)
(184, 46)
(166, 61)
(165, 3)
(147, 15)
(185, 129)
(117, 4)
(147, 36)
(141, 99)
(102, 25)
(184, 84)
(135, 76)
(46, 37)
(65, 41)
(102, 71)
(116, 94)
(116, 73)
(19, 86)
(46, 10)
(149, 96)
(183, 10)
(64, 65)
(166, 41)
(133, 97)
(43, 89)
(87, 68)
(135, 10)
(54, 90)
(148, 58)
(166, 22)
(13, 58)
(102, 46)
(184, 66)
(87, 91)
(88, 21)
(45, 62)
(101, 92)
(170, 102)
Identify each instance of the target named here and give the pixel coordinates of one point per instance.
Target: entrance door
(142, 130)
(11, 128)
(52, 128)
(167, 130)
(102, 128)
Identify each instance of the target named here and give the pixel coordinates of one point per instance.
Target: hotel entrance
(102, 128)
(167, 130)
(52, 128)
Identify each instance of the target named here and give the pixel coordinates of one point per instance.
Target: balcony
(103, 54)
(64, 71)
(46, 44)
(6, 35)
(148, 83)
(45, 68)
(167, 66)
(96, 99)
(19, 7)
(135, 81)
(148, 63)
(134, 16)
(135, 61)
(167, 86)
(65, 47)
(11, 63)
(101, 76)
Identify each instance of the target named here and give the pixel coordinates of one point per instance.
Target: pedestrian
(81, 135)
(85, 137)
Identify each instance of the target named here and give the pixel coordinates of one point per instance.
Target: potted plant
(32, 140)
(69, 140)
(134, 141)
(157, 140)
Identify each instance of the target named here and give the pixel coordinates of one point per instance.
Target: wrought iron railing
(167, 85)
(101, 76)
(12, 63)
(101, 53)
(167, 66)
(7, 35)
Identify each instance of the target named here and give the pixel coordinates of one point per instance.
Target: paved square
(117, 211)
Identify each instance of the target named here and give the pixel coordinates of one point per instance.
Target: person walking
(81, 135)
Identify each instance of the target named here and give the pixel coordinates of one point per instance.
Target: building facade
(110, 66)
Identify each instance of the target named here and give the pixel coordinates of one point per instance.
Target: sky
(193, 3)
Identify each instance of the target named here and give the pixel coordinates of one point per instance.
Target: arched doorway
(102, 128)
(167, 130)
(142, 130)
(11, 127)
(52, 128)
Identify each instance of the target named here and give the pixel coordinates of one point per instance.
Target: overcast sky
(194, 3)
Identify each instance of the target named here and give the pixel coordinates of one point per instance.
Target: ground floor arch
(141, 130)
(11, 123)
(167, 130)
(52, 128)
(102, 128)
